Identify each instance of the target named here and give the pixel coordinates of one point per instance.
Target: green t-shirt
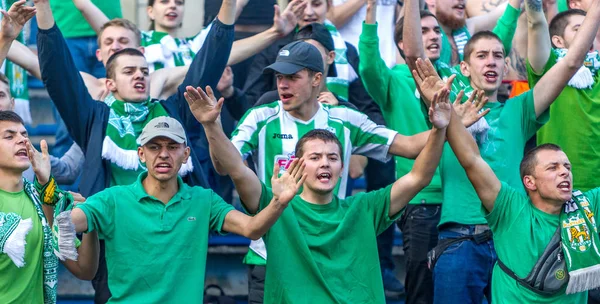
(575, 126)
(26, 284)
(511, 124)
(521, 233)
(71, 22)
(327, 253)
(396, 94)
(155, 253)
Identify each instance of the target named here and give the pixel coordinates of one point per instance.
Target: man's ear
(529, 182)
(574, 4)
(187, 154)
(141, 155)
(111, 85)
(98, 56)
(559, 42)
(465, 68)
(142, 49)
(330, 57)
(317, 79)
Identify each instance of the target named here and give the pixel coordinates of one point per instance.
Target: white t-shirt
(386, 11)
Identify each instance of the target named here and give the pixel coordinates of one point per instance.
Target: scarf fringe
(583, 279)
(65, 247)
(126, 159)
(186, 168)
(479, 130)
(15, 244)
(583, 79)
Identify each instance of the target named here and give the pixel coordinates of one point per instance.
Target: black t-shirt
(256, 12)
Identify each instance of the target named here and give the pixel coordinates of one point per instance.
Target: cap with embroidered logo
(296, 56)
(164, 126)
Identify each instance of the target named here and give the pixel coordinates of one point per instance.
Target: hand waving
(287, 185)
(16, 17)
(428, 81)
(284, 23)
(39, 161)
(440, 110)
(204, 106)
(469, 111)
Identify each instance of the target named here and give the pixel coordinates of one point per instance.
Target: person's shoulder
(265, 111)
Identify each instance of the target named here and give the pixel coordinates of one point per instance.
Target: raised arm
(412, 33)
(374, 72)
(405, 188)
(62, 80)
(340, 14)
(86, 266)
(25, 58)
(485, 182)
(226, 158)
(284, 189)
(555, 80)
(538, 41)
(486, 22)
(283, 24)
(92, 14)
(12, 25)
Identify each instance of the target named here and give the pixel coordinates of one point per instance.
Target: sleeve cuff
(369, 33)
(88, 215)
(220, 24)
(50, 30)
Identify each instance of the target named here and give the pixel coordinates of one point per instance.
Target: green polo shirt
(155, 253)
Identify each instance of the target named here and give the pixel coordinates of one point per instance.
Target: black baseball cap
(319, 33)
(296, 56)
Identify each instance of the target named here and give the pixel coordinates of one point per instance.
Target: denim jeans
(419, 229)
(463, 273)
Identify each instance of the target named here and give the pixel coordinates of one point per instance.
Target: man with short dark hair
(503, 151)
(161, 210)
(327, 243)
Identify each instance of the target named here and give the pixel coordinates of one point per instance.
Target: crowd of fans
(474, 125)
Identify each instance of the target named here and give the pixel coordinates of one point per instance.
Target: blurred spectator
(348, 16)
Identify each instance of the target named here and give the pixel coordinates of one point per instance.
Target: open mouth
(172, 15)
(491, 76)
(21, 153)
(565, 186)
(460, 7)
(324, 177)
(434, 47)
(140, 87)
(286, 97)
(163, 167)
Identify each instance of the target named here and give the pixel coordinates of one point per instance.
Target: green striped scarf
(580, 242)
(339, 84)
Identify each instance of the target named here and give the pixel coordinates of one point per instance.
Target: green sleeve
(99, 210)
(218, 210)
(530, 122)
(533, 77)
(377, 204)
(508, 205)
(506, 27)
(266, 194)
(373, 71)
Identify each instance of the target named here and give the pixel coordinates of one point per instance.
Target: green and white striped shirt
(269, 133)
(163, 51)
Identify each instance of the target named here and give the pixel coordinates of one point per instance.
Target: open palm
(440, 110)
(285, 22)
(287, 185)
(470, 111)
(16, 17)
(40, 162)
(427, 79)
(204, 106)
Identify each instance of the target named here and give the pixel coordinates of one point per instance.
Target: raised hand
(328, 98)
(284, 23)
(225, 85)
(204, 106)
(427, 79)
(16, 17)
(39, 161)
(470, 110)
(440, 110)
(287, 185)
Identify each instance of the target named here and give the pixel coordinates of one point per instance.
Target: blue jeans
(463, 273)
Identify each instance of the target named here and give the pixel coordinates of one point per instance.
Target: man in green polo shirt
(323, 249)
(156, 230)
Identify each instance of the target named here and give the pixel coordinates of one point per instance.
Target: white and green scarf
(584, 78)
(580, 242)
(345, 73)
(125, 122)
